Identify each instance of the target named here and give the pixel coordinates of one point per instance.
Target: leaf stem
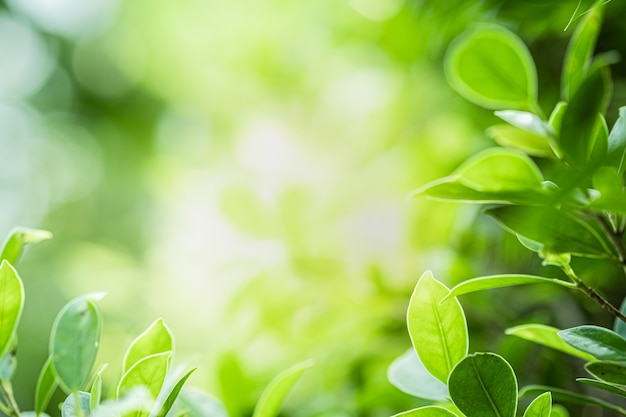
(12, 409)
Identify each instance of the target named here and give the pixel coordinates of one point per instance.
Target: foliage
(557, 184)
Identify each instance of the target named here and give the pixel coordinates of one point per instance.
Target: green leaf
(559, 411)
(620, 326)
(599, 342)
(429, 411)
(527, 121)
(73, 408)
(407, 373)
(559, 231)
(96, 388)
(136, 401)
(149, 372)
(484, 385)
(546, 336)
(173, 395)
(8, 362)
(579, 53)
(522, 140)
(540, 407)
(11, 305)
(605, 386)
(562, 395)
(18, 238)
(275, 393)
(438, 329)
(581, 138)
(497, 169)
(492, 67)
(74, 342)
(46, 384)
(613, 372)
(500, 281)
(197, 403)
(157, 338)
(617, 142)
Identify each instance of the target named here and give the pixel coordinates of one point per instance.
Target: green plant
(557, 184)
(149, 386)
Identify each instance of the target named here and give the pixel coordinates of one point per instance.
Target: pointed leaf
(492, 67)
(617, 142)
(18, 238)
(438, 329)
(605, 386)
(429, 411)
(546, 336)
(540, 407)
(74, 342)
(11, 305)
(275, 393)
(505, 280)
(73, 408)
(96, 388)
(46, 384)
(172, 395)
(522, 140)
(149, 372)
(599, 342)
(157, 338)
(613, 372)
(562, 395)
(484, 385)
(407, 373)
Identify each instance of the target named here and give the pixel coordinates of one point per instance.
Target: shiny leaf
(599, 342)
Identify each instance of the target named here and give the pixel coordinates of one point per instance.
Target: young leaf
(275, 393)
(407, 373)
(522, 140)
(149, 372)
(429, 411)
(612, 372)
(546, 336)
(76, 405)
(18, 238)
(605, 386)
(157, 338)
(96, 388)
(562, 395)
(540, 407)
(163, 409)
(196, 403)
(74, 342)
(11, 305)
(492, 67)
(438, 329)
(599, 342)
(484, 385)
(617, 142)
(500, 281)
(46, 384)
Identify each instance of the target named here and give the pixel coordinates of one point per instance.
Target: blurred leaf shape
(546, 336)
(408, 374)
(277, 390)
(11, 305)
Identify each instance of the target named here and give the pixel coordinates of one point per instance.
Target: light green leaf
(172, 395)
(605, 386)
(196, 403)
(522, 140)
(73, 408)
(96, 388)
(149, 372)
(599, 342)
(275, 393)
(74, 342)
(407, 373)
(499, 169)
(559, 411)
(617, 142)
(500, 281)
(136, 401)
(18, 238)
(438, 329)
(527, 121)
(492, 67)
(484, 385)
(429, 411)
(579, 53)
(46, 384)
(540, 407)
(11, 305)
(562, 395)
(546, 336)
(8, 362)
(157, 338)
(612, 372)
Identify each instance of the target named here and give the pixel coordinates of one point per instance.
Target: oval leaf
(546, 336)
(46, 384)
(613, 372)
(74, 342)
(407, 373)
(18, 238)
(599, 342)
(500, 281)
(76, 405)
(522, 140)
(438, 329)
(492, 67)
(275, 393)
(11, 305)
(484, 385)
(430, 411)
(157, 338)
(540, 407)
(149, 372)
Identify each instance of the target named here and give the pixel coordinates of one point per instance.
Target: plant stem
(614, 236)
(7, 392)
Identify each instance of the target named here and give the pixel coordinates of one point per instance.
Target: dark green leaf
(11, 305)
(540, 407)
(407, 373)
(484, 385)
(620, 326)
(612, 372)
(18, 238)
(275, 393)
(73, 408)
(546, 336)
(46, 384)
(599, 342)
(605, 386)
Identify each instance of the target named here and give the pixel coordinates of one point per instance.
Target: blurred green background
(240, 169)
